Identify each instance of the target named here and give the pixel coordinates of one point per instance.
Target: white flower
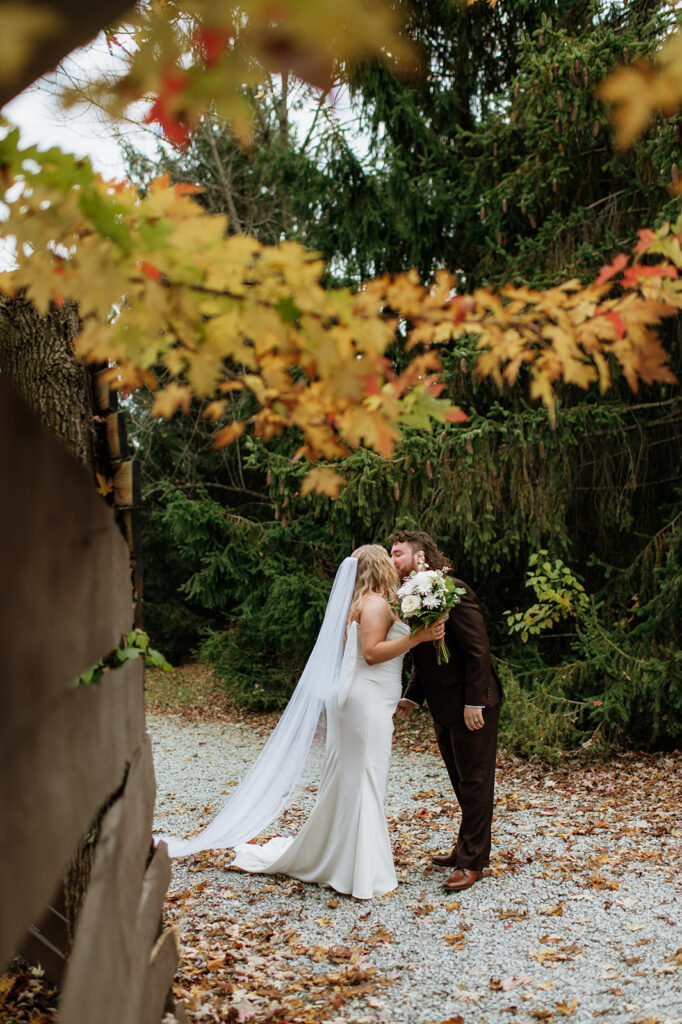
(410, 604)
(432, 601)
(423, 582)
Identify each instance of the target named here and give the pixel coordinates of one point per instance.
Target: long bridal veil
(271, 782)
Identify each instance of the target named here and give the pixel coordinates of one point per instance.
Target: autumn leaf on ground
(551, 909)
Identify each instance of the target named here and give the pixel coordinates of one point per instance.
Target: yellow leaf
(567, 1008)
(170, 399)
(322, 481)
(104, 486)
(6, 983)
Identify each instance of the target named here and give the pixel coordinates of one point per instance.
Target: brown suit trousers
(469, 755)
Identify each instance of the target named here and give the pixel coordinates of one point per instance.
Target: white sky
(81, 131)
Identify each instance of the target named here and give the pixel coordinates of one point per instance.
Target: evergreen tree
(498, 163)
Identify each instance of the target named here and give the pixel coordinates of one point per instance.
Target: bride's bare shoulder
(374, 606)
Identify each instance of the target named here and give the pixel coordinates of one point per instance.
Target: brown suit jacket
(468, 678)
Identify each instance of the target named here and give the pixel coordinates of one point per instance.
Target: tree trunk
(36, 356)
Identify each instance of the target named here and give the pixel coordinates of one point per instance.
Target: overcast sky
(83, 132)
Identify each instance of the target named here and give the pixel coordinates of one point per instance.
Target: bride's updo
(376, 575)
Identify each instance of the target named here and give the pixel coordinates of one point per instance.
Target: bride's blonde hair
(376, 575)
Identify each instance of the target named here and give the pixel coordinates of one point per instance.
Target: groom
(464, 698)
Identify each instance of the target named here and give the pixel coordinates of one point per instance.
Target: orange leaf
(228, 434)
(617, 323)
(640, 270)
(611, 269)
(455, 416)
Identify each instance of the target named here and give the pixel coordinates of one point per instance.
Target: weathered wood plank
(55, 774)
(65, 566)
(162, 965)
(104, 949)
(127, 484)
(117, 437)
(148, 926)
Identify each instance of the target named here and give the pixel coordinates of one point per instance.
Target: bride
(344, 843)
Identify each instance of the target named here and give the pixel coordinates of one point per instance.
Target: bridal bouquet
(425, 596)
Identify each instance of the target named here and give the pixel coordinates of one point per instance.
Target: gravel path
(578, 917)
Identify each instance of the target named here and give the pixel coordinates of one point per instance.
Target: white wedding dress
(344, 843)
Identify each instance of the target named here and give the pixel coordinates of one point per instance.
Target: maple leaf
(226, 435)
(212, 42)
(166, 104)
(610, 270)
(637, 93)
(104, 485)
(170, 399)
(322, 481)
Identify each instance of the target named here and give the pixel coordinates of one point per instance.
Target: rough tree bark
(36, 356)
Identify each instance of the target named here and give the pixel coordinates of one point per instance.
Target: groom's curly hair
(420, 541)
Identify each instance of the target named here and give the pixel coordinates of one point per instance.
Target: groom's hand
(473, 718)
(403, 709)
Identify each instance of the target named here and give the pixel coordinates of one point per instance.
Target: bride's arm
(375, 622)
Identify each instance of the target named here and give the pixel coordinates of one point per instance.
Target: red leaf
(640, 270)
(617, 323)
(646, 237)
(611, 269)
(163, 112)
(149, 270)
(211, 43)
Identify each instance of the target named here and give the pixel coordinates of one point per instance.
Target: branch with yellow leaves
(158, 283)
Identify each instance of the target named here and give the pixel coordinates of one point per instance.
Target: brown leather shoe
(462, 878)
(445, 860)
